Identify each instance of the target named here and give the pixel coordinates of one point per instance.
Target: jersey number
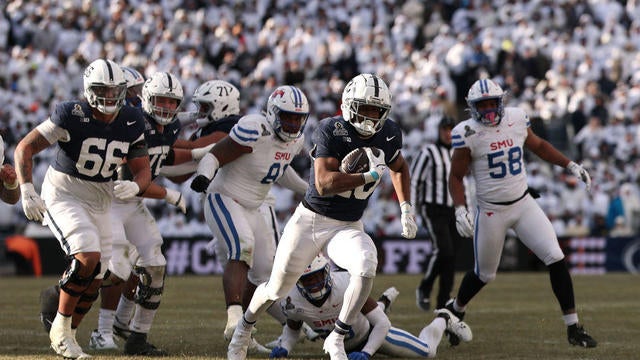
(498, 168)
(96, 156)
(362, 192)
(274, 173)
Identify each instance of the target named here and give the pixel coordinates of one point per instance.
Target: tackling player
(317, 300)
(328, 219)
(491, 146)
(93, 136)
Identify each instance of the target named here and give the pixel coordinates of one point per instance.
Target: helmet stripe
(484, 88)
(110, 70)
(297, 98)
(376, 86)
(170, 82)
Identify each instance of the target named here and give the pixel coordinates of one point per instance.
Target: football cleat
(256, 347)
(102, 341)
(49, 306)
(388, 297)
(454, 326)
(239, 344)
(454, 340)
(422, 300)
(578, 336)
(334, 346)
(137, 345)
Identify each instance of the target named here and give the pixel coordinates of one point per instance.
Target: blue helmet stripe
(297, 98)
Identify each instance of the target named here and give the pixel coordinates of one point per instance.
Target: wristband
(11, 186)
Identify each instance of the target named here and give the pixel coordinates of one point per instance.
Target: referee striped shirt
(430, 175)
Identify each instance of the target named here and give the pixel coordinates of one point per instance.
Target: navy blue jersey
(335, 138)
(159, 143)
(95, 149)
(225, 125)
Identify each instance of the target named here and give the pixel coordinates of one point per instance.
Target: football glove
(32, 205)
(358, 355)
(580, 173)
(125, 189)
(206, 170)
(377, 166)
(175, 198)
(278, 352)
(464, 222)
(408, 220)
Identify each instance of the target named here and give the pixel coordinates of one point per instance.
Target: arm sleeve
(381, 325)
(52, 132)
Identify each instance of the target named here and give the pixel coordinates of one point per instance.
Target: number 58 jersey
(497, 156)
(249, 178)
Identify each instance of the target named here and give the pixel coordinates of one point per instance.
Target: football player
(329, 218)
(317, 300)
(218, 104)
(257, 153)
(9, 192)
(93, 137)
(491, 145)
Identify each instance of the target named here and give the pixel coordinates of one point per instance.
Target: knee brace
(150, 287)
(111, 279)
(74, 284)
(85, 302)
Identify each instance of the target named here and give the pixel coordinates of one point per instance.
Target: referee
(429, 192)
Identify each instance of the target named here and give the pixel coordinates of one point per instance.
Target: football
(357, 161)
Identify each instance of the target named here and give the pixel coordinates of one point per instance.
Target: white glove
(408, 220)
(464, 222)
(32, 205)
(125, 189)
(175, 198)
(580, 173)
(377, 166)
(199, 153)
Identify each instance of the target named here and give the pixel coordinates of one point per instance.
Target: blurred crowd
(574, 65)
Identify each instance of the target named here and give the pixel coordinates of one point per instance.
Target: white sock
(142, 319)
(432, 334)
(105, 320)
(124, 312)
(570, 319)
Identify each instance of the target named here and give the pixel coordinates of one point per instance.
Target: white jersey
(322, 319)
(249, 178)
(497, 155)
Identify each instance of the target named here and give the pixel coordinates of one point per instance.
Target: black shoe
(578, 336)
(454, 340)
(422, 300)
(137, 345)
(49, 299)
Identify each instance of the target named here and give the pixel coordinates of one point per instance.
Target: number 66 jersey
(497, 157)
(89, 151)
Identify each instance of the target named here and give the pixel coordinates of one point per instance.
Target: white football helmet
(135, 80)
(366, 89)
(105, 86)
(485, 89)
(315, 282)
(287, 112)
(159, 87)
(216, 99)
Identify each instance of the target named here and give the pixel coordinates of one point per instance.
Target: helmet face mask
(162, 97)
(486, 102)
(287, 112)
(105, 86)
(366, 103)
(216, 99)
(315, 283)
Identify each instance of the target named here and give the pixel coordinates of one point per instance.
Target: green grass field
(515, 317)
